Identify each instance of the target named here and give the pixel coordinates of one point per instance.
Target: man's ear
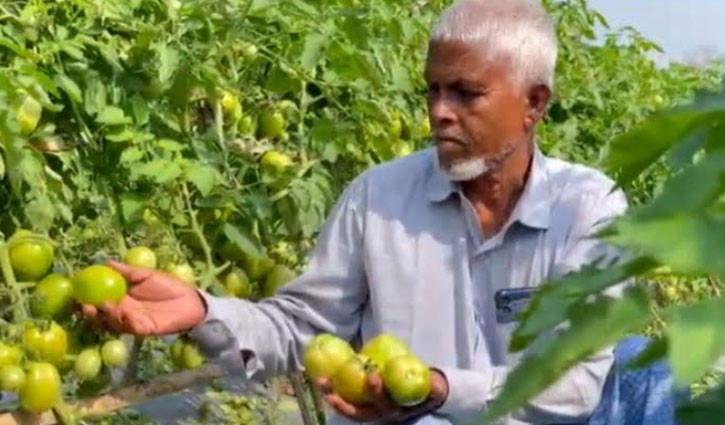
(537, 98)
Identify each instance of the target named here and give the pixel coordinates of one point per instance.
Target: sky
(685, 29)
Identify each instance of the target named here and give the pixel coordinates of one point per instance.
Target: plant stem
(20, 314)
(196, 228)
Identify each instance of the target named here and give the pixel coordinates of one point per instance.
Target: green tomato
(257, 266)
(249, 51)
(140, 256)
(183, 272)
(275, 163)
(350, 380)
(237, 283)
(407, 380)
(12, 378)
(10, 355)
(192, 357)
(42, 388)
(97, 285)
(271, 124)
(88, 364)
(177, 352)
(52, 297)
(114, 353)
(48, 345)
(247, 125)
(29, 114)
(279, 276)
(325, 354)
(231, 106)
(384, 348)
(402, 148)
(31, 257)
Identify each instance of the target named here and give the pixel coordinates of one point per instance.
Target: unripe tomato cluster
(43, 349)
(405, 376)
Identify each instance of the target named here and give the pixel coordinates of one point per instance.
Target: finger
(89, 311)
(351, 411)
(324, 384)
(133, 275)
(113, 316)
(380, 397)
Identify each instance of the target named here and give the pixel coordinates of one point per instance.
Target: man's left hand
(382, 407)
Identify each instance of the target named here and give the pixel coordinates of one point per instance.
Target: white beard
(466, 170)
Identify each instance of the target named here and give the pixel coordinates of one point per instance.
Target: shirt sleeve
(578, 392)
(267, 338)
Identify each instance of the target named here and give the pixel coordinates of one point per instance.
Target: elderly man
(419, 247)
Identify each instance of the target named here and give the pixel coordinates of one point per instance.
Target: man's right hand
(156, 304)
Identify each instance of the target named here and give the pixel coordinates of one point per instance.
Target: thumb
(133, 275)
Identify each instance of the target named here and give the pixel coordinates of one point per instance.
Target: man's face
(476, 112)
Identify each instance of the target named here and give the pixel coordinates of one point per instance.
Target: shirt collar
(533, 208)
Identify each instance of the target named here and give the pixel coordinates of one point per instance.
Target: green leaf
(204, 177)
(95, 97)
(168, 61)
(70, 87)
(626, 156)
(170, 145)
(655, 350)
(112, 115)
(697, 338)
(132, 205)
(601, 324)
(281, 82)
(242, 241)
(123, 135)
(312, 52)
(692, 190)
(689, 243)
(131, 155)
(549, 307)
(160, 170)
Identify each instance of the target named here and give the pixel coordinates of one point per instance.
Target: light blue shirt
(402, 252)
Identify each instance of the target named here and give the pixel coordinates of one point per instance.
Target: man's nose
(442, 113)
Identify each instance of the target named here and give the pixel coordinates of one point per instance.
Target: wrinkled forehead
(458, 60)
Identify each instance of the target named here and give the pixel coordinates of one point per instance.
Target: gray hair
(519, 31)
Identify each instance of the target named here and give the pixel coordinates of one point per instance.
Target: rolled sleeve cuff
(469, 392)
(222, 336)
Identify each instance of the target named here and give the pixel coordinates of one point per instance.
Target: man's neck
(495, 194)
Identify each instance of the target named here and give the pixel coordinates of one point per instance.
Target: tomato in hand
(350, 380)
(97, 285)
(407, 380)
(384, 348)
(325, 354)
